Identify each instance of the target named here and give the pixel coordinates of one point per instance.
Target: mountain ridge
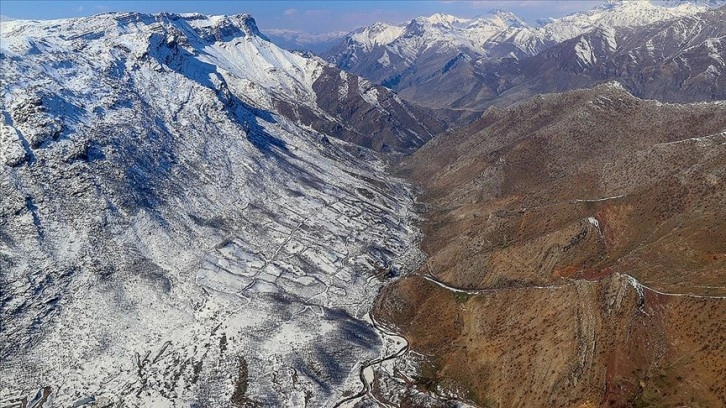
(210, 44)
(193, 216)
(442, 65)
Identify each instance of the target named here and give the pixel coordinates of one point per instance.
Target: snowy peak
(229, 56)
(195, 27)
(376, 34)
(506, 18)
(500, 34)
(503, 26)
(453, 31)
(446, 20)
(632, 13)
(496, 17)
(433, 61)
(461, 28)
(209, 28)
(224, 28)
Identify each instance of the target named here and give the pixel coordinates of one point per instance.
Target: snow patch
(343, 89)
(713, 50)
(584, 52)
(368, 92)
(385, 60)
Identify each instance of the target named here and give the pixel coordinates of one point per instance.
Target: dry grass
(509, 201)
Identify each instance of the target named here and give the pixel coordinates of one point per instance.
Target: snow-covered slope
(393, 45)
(629, 13)
(170, 237)
(230, 55)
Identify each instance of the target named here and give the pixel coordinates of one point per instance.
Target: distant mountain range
(301, 41)
(446, 61)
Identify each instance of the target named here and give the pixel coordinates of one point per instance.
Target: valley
(447, 212)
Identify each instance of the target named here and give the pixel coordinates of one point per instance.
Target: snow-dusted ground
(167, 239)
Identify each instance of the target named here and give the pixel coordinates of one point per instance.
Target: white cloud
(290, 12)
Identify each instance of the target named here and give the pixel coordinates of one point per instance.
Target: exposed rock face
(543, 220)
(370, 115)
(168, 236)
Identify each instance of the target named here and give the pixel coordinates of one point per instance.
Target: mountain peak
(442, 19)
(246, 22)
(376, 34)
(612, 4)
(507, 17)
(223, 27)
(208, 27)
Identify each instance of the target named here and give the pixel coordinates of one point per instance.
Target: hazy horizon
(307, 16)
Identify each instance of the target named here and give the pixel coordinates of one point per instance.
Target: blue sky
(311, 16)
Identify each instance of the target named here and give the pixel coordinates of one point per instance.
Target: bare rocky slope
(576, 255)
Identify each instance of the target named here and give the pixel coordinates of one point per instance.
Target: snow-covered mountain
(438, 60)
(174, 231)
(679, 60)
(387, 53)
(230, 55)
(299, 40)
(488, 36)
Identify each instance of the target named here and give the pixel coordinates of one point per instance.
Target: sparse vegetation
(461, 297)
(531, 229)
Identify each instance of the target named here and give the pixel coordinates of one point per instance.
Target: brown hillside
(550, 207)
